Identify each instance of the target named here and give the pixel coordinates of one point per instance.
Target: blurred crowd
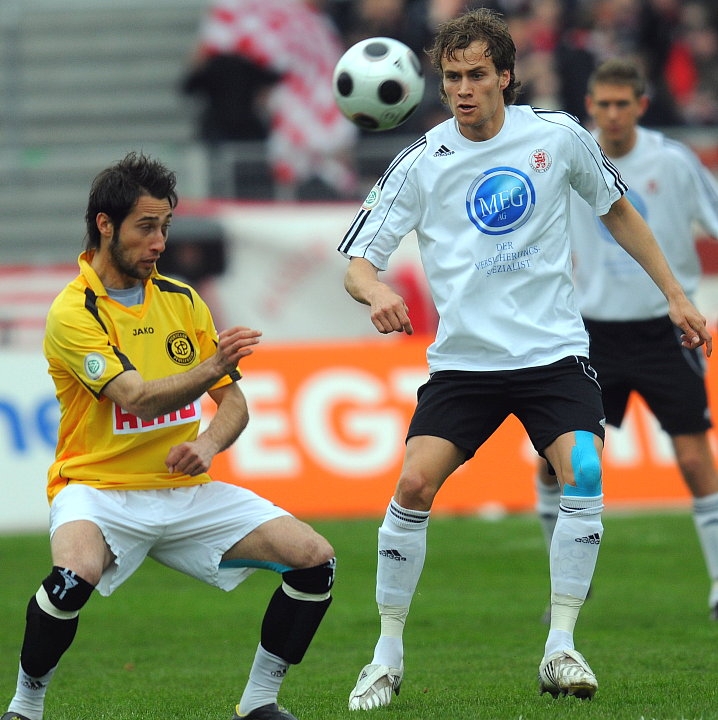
(262, 69)
(559, 43)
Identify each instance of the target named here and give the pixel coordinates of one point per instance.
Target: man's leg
(696, 463)
(306, 562)
(53, 612)
(401, 552)
(290, 623)
(548, 496)
(50, 625)
(574, 551)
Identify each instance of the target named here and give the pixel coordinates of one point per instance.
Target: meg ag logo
(500, 201)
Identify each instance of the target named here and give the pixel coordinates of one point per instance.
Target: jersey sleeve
(704, 191)
(594, 177)
(390, 212)
(78, 345)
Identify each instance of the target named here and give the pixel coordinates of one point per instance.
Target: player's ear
(588, 104)
(104, 224)
(643, 103)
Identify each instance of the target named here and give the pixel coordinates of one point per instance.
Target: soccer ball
(378, 83)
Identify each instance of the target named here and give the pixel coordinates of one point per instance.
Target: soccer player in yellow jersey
(131, 352)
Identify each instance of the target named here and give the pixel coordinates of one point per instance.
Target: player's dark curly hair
(116, 190)
(486, 26)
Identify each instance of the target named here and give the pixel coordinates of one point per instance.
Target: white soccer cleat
(567, 673)
(374, 687)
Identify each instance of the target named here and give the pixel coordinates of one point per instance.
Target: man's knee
(586, 467)
(414, 491)
(63, 593)
(51, 620)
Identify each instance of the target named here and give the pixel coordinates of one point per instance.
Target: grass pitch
(164, 646)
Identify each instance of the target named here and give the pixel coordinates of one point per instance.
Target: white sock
(389, 649)
(402, 549)
(705, 518)
(29, 697)
(265, 679)
(564, 614)
(575, 544)
(547, 501)
(573, 555)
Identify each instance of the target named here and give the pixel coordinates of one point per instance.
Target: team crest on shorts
(180, 348)
(540, 160)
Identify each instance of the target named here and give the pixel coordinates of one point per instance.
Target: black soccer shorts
(646, 357)
(466, 408)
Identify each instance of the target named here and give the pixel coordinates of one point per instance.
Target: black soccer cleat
(265, 712)
(13, 716)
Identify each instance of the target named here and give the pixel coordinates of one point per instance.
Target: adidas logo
(392, 555)
(593, 539)
(443, 151)
(30, 685)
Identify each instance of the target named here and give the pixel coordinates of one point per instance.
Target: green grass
(164, 646)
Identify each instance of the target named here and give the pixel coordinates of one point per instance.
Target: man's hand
(234, 344)
(190, 458)
(389, 312)
(692, 324)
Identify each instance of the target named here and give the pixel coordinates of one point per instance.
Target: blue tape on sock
(586, 467)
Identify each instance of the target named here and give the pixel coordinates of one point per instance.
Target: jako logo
(500, 201)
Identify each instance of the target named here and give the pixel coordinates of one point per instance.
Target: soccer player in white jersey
(131, 352)
(634, 344)
(487, 193)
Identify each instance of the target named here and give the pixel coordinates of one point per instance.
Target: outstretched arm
(389, 312)
(148, 399)
(633, 235)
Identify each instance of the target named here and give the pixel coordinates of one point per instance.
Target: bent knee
(415, 491)
(586, 468)
(315, 550)
(323, 552)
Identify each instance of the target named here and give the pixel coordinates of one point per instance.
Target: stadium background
(83, 82)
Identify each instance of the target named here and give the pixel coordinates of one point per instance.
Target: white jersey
(491, 219)
(671, 190)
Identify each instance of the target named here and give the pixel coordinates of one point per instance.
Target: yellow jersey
(89, 340)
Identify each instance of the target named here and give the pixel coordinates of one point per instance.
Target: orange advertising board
(327, 427)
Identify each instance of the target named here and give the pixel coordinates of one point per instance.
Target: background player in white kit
(487, 193)
(634, 345)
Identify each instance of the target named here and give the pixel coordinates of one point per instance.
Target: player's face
(138, 243)
(474, 91)
(615, 110)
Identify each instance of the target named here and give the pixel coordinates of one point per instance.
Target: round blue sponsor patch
(500, 201)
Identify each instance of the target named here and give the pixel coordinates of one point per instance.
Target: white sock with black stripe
(574, 551)
(402, 549)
